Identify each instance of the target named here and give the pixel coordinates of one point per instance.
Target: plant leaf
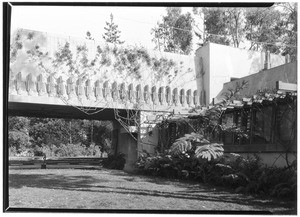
(210, 151)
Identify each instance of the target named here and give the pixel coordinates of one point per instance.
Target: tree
(98, 132)
(273, 28)
(18, 134)
(174, 33)
(112, 34)
(290, 14)
(89, 36)
(224, 25)
(263, 25)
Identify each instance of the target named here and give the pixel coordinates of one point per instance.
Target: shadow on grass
(88, 183)
(51, 181)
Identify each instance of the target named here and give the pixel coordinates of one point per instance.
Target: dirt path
(106, 189)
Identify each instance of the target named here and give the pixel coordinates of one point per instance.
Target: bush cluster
(67, 150)
(244, 174)
(114, 161)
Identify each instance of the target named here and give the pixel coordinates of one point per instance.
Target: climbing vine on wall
(78, 61)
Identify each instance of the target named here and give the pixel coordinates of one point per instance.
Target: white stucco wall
(202, 64)
(228, 62)
(265, 79)
(181, 75)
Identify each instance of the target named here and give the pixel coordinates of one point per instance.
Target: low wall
(275, 159)
(36, 162)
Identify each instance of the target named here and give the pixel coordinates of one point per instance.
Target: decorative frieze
(121, 93)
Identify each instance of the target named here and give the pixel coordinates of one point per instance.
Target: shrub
(114, 161)
(244, 174)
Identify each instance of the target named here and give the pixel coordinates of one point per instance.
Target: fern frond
(210, 151)
(180, 146)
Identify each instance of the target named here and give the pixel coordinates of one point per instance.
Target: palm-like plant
(195, 144)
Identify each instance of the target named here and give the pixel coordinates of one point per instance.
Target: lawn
(111, 189)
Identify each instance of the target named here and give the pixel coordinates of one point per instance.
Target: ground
(112, 189)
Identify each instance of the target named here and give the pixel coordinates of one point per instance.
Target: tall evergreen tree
(112, 34)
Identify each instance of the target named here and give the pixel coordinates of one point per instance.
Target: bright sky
(135, 23)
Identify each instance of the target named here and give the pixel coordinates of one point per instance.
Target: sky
(135, 23)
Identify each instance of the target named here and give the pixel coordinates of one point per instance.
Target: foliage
(197, 146)
(89, 36)
(244, 174)
(58, 137)
(67, 150)
(263, 25)
(114, 161)
(174, 32)
(80, 61)
(289, 27)
(19, 139)
(273, 28)
(225, 25)
(112, 33)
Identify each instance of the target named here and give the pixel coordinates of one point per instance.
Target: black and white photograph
(150, 107)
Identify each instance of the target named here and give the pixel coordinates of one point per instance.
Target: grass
(111, 189)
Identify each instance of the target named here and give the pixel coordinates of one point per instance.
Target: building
(264, 106)
(218, 64)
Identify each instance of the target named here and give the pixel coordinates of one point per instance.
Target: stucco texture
(264, 80)
(36, 53)
(228, 62)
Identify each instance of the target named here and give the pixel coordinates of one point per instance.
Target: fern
(180, 147)
(210, 151)
(197, 143)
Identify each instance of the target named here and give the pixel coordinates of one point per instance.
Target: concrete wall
(181, 74)
(228, 62)
(34, 54)
(123, 142)
(275, 159)
(202, 62)
(265, 79)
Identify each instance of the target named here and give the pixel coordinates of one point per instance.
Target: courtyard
(112, 190)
